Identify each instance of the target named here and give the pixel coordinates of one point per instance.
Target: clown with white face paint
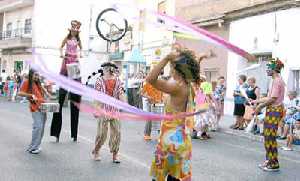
(111, 85)
(274, 113)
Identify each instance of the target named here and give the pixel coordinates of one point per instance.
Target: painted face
(107, 70)
(270, 72)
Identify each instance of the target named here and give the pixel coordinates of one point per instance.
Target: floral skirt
(173, 153)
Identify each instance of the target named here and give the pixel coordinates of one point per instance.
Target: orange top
(154, 94)
(110, 86)
(37, 92)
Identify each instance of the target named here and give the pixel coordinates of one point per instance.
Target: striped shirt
(117, 91)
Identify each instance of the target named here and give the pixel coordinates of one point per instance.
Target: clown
(274, 113)
(111, 85)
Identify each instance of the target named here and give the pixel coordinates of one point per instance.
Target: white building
(274, 34)
(50, 20)
(15, 34)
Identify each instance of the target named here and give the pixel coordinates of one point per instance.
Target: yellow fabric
(206, 87)
(174, 150)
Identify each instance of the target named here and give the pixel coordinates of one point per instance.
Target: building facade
(265, 28)
(15, 35)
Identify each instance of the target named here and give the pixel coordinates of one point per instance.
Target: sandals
(115, 159)
(96, 156)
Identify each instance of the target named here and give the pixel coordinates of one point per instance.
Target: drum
(73, 70)
(49, 107)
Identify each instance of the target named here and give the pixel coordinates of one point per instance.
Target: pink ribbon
(183, 26)
(83, 90)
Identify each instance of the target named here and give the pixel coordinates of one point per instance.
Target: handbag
(248, 112)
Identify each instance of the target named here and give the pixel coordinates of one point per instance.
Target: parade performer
(202, 100)
(34, 92)
(174, 149)
(274, 113)
(110, 84)
(72, 42)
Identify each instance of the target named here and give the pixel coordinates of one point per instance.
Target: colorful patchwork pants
(115, 134)
(273, 117)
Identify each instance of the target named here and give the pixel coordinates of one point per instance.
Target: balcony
(18, 38)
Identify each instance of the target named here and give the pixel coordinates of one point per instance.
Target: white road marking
(127, 157)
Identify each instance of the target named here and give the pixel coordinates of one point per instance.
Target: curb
(256, 138)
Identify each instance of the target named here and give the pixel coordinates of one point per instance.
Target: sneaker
(262, 165)
(282, 138)
(287, 148)
(37, 151)
(268, 168)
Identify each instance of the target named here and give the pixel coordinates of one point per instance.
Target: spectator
(1, 86)
(219, 95)
(239, 102)
(133, 89)
(252, 93)
(292, 107)
(293, 138)
(151, 97)
(10, 88)
(203, 92)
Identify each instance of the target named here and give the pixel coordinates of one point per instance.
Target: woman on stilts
(72, 43)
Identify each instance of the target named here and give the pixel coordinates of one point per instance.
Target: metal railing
(16, 33)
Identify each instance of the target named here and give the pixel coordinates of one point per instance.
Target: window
(261, 81)
(28, 26)
(18, 30)
(8, 30)
(211, 74)
(18, 66)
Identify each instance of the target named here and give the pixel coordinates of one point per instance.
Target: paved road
(223, 158)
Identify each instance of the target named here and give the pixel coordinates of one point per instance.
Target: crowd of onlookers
(207, 94)
(10, 85)
(246, 91)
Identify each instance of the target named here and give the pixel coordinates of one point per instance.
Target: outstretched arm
(169, 87)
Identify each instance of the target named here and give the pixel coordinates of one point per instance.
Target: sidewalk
(228, 120)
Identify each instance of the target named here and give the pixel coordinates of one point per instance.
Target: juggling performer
(72, 43)
(109, 84)
(274, 113)
(174, 150)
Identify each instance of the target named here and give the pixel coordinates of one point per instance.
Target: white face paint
(270, 72)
